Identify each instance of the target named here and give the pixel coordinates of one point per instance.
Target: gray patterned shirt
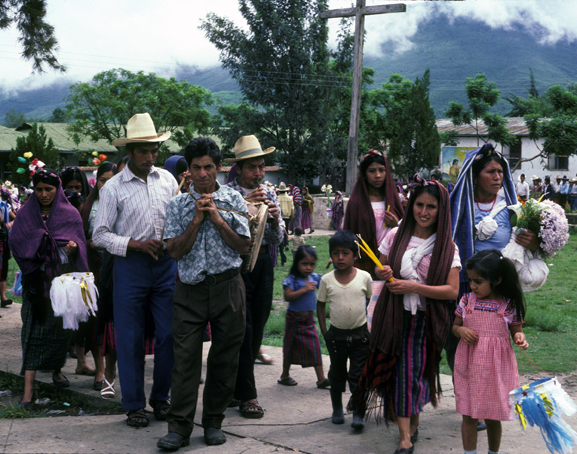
(209, 254)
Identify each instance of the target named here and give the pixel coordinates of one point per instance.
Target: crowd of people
(166, 249)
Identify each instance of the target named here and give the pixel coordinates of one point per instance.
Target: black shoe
(337, 403)
(481, 426)
(61, 383)
(5, 303)
(415, 437)
(358, 423)
(172, 441)
(214, 436)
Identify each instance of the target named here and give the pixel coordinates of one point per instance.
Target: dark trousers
(141, 281)
(347, 345)
(259, 287)
(194, 305)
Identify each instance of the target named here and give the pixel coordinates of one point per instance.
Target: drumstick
(384, 224)
(179, 187)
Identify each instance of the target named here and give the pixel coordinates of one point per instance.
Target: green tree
(533, 104)
(42, 148)
(481, 95)
(282, 65)
(13, 118)
(36, 36)
(100, 109)
(59, 115)
(559, 129)
(406, 120)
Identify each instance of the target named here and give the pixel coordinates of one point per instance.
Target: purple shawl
(30, 234)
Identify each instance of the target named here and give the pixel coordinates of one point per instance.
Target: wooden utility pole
(360, 11)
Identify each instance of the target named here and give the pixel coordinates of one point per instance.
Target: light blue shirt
(209, 254)
(501, 237)
(564, 188)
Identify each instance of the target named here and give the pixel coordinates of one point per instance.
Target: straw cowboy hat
(140, 129)
(248, 147)
(282, 187)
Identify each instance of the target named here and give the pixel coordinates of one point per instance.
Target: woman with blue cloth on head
(481, 218)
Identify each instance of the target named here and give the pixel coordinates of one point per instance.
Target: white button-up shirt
(131, 208)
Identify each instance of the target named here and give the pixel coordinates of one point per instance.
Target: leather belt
(213, 279)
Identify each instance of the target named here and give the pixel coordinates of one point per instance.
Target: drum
(74, 297)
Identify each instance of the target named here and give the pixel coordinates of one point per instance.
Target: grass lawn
(551, 321)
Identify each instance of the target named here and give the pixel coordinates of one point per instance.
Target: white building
(525, 148)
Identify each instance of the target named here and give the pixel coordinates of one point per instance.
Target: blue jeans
(141, 282)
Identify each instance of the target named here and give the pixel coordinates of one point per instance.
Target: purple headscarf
(30, 236)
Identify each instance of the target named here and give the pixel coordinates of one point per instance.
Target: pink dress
(485, 372)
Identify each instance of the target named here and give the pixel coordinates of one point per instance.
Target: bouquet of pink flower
(548, 221)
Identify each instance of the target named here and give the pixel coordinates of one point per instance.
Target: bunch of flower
(548, 221)
(328, 189)
(98, 159)
(33, 165)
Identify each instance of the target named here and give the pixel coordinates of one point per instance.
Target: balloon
(28, 154)
(21, 159)
(95, 153)
(96, 161)
(103, 157)
(20, 170)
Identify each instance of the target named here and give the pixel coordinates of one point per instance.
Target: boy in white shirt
(346, 290)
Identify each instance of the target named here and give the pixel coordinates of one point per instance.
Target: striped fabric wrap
(463, 205)
(301, 342)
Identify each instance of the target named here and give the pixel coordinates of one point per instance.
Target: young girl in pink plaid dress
(485, 364)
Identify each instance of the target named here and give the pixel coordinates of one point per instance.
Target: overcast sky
(154, 36)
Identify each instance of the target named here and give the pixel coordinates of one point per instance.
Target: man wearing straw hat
(129, 224)
(249, 158)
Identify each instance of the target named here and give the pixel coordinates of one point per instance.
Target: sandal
(107, 391)
(289, 381)
(160, 407)
(264, 358)
(64, 383)
(324, 384)
(251, 409)
(137, 418)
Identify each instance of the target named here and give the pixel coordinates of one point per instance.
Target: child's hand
(311, 285)
(520, 340)
(468, 335)
(329, 263)
(385, 273)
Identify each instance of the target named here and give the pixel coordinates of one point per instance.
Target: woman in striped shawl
(411, 320)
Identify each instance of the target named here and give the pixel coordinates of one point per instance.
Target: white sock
(474, 451)
(491, 452)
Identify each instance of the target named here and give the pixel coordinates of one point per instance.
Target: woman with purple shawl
(47, 239)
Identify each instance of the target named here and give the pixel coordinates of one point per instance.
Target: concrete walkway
(296, 419)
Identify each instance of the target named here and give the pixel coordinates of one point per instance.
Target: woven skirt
(411, 389)
(301, 342)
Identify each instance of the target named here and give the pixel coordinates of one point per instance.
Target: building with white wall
(525, 148)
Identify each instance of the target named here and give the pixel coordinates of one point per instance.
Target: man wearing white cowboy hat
(129, 224)
(249, 158)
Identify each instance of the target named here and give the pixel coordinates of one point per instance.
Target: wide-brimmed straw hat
(282, 187)
(140, 129)
(248, 147)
